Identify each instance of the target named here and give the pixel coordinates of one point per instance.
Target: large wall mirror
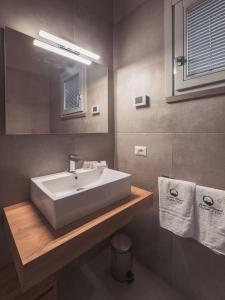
(47, 93)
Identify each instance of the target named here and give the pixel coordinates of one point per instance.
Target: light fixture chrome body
(65, 48)
(62, 52)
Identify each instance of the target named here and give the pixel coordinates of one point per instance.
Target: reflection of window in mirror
(74, 92)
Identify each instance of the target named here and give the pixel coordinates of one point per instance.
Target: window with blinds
(205, 37)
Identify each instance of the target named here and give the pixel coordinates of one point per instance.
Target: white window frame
(177, 86)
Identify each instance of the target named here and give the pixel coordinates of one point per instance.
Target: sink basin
(64, 197)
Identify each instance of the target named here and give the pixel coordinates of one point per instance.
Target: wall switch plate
(95, 110)
(140, 150)
(142, 101)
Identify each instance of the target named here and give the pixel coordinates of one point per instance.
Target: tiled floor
(91, 280)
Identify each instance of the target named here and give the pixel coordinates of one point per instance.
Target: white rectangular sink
(64, 197)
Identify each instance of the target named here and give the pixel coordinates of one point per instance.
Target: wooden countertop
(39, 251)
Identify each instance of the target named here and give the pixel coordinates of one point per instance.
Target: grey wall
(89, 24)
(184, 140)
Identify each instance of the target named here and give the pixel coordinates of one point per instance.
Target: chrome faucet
(73, 160)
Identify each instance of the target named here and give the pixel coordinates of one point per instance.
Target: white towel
(176, 206)
(210, 218)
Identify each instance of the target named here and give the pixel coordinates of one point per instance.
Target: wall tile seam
(121, 67)
(129, 14)
(172, 156)
(79, 9)
(172, 133)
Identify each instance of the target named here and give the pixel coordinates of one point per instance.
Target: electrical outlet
(140, 150)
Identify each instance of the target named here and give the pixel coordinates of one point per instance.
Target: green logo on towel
(209, 206)
(208, 200)
(173, 196)
(174, 192)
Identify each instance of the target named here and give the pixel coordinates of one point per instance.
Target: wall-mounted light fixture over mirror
(51, 86)
(67, 45)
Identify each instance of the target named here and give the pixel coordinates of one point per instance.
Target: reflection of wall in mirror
(27, 106)
(27, 87)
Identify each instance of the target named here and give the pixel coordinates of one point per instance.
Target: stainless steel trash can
(122, 258)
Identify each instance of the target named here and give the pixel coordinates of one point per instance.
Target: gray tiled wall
(184, 140)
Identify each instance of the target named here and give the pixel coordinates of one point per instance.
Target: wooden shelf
(39, 251)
